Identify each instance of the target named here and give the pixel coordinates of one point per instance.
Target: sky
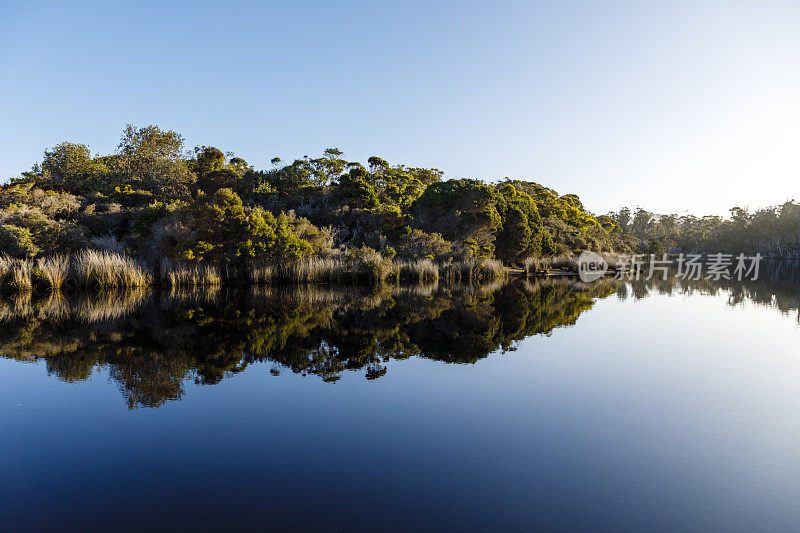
(677, 107)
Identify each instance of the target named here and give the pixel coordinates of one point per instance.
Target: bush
(17, 242)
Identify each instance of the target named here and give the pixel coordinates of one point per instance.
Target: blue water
(668, 412)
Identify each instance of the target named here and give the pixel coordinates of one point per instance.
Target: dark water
(556, 405)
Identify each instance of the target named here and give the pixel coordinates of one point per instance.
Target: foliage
(17, 242)
(154, 200)
(772, 231)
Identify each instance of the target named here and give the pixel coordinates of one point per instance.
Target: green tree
(153, 158)
(461, 210)
(356, 190)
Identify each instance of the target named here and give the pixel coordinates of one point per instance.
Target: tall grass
(94, 268)
(373, 267)
(5, 267)
(474, 271)
(99, 269)
(52, 271)
(259, 272)
(534, 265)
(314, 269)
(369, 267)
(564, 262)
(21, 275)
(189, 274)
(422, 271)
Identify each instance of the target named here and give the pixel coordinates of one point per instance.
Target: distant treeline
(154, 201)
(772, 231)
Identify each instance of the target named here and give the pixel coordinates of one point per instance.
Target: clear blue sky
(673, 106)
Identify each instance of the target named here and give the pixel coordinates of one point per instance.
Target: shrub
(17, 242)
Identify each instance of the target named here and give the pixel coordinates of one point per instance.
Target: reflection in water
(152, 342)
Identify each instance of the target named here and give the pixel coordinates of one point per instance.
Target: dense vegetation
(772, 231)
(160, 204)
(154, 212)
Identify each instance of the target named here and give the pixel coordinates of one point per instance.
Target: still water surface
(653, 405)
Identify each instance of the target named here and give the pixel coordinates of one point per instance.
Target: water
(654, 406)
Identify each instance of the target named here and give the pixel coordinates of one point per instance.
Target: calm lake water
(550, 404)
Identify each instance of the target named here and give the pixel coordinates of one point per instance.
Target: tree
(327, 168)
(356, 190)
(214, 180)
(463, 210)
(153, 158)
(208, 159)
(521, 230)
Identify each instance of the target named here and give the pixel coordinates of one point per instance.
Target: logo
(591, 266)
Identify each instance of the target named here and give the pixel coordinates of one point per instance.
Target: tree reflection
(152, 343)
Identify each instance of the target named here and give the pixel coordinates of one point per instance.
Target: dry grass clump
(53, 271)
(535, 265)
(5, 267)
(95, 268)
(541, 265)
(189, 274)
(564, 262)
(474, 271)
(20, 276)
(422, 271)
(313, 269)
(369, 266)
(260, 272)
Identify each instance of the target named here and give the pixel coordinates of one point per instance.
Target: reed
(374, 268)
(534, 265)
(313, 269)
(477, 270)
(21, 275)
(95, 268)
(52, 271)
(177, 274)
(564, 262)
(259, 272)
(421, 271)
(5, 267)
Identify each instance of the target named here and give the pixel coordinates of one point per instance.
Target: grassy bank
(92, 269)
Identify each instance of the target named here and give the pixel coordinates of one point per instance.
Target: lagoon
(549, 403)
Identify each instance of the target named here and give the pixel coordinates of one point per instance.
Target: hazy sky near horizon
(673, 106)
